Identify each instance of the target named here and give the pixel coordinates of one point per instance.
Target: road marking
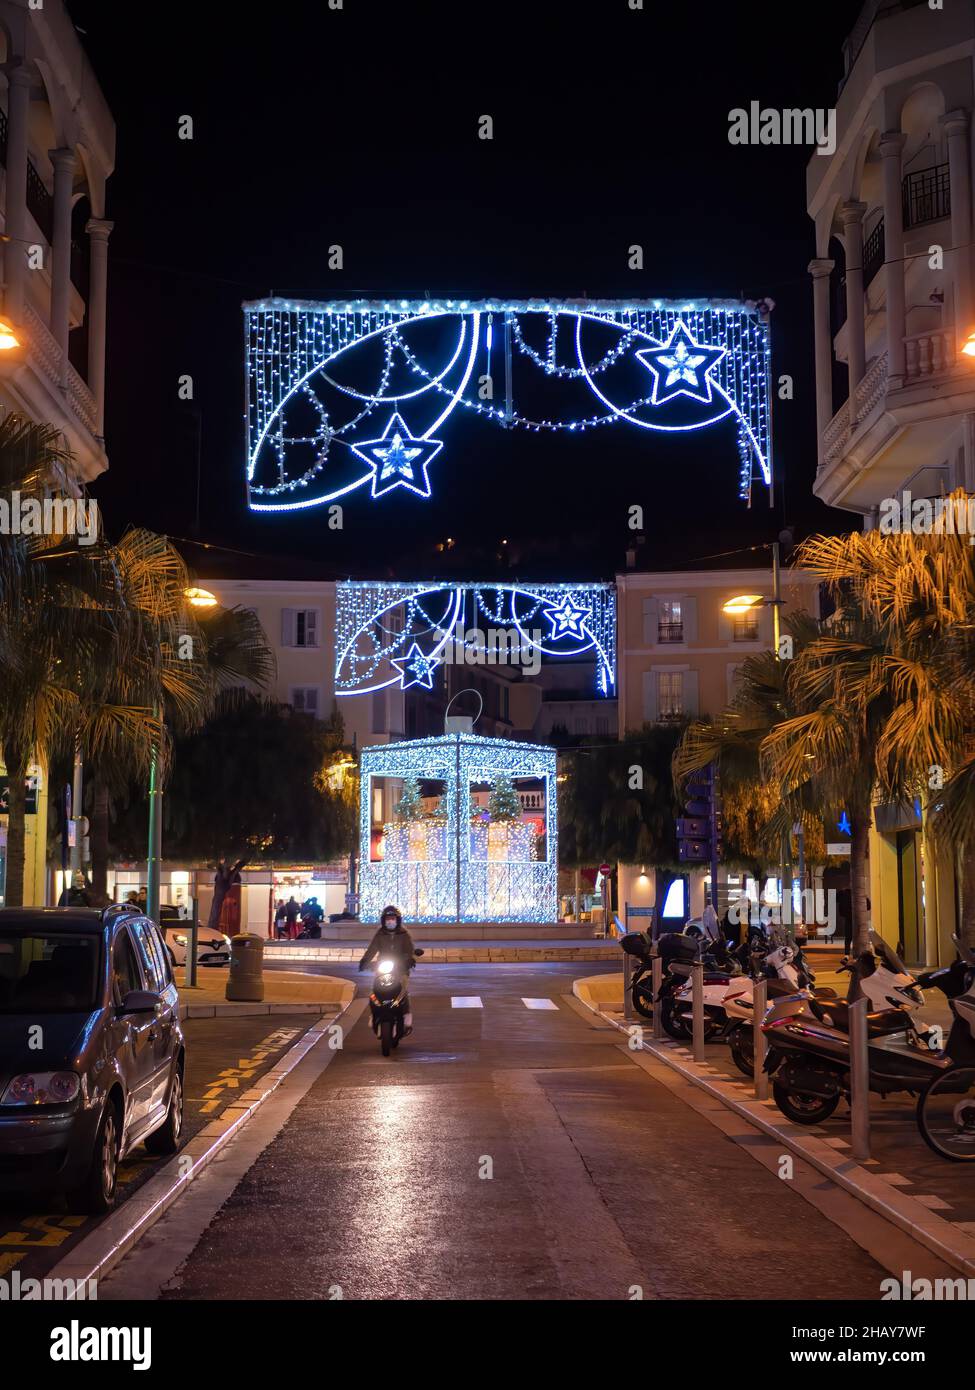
(539, 1003)
(466, 1001)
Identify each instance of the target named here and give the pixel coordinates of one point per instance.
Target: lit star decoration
(418, 666)
(681, 367)
(397, 459)
(843, 824)
(566, 617)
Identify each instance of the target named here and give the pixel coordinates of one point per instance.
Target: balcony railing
(873, 253)
(927, 195)
(927, 354)
(670, 632)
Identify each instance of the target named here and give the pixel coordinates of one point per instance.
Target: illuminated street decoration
(389, 633)
(682, 367)
(397, 459)
(344, 396)
(449, 866)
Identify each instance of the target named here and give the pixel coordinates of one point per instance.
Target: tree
(254, 779)
(503, 802)
(616, 801)
(410, 804)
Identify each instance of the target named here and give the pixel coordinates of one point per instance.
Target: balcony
(40, 205)
(670, 632)
(926, 196)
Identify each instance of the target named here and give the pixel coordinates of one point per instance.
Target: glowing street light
(8, 338)
(201, 598)
(968, 347)
(744, 603)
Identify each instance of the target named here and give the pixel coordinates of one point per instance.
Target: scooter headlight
(385, 967)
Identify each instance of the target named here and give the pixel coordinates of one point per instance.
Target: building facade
(893, 311)
(57, 150)
(678, 658)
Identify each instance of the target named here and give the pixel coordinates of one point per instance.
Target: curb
(250, 1008)
(98, 1253)
(910, 1216)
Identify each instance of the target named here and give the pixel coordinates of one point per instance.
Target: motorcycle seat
(837, 1012)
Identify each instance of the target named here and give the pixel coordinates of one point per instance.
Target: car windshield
(48, 972)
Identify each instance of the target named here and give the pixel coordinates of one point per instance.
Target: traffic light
(699, 830)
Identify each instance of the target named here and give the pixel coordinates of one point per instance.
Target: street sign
(640, 911)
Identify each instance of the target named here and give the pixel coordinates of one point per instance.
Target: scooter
(387, 999)
(790, 988)
(678, 951)
(809, 1052)
(946, 1110)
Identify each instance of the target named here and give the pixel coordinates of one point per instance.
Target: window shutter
(688, 612)
(651, 617)
(650, 706)
(287, 627)
(765, 624)
(691, 702)
(311, 627)
(732, 682)
(726, 624)
(311, 700)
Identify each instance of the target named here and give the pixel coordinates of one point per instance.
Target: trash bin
(246, 980)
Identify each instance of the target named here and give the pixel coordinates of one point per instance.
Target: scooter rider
(392, 939)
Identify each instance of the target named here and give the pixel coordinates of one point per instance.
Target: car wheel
(165, 1139)
(97, 1193)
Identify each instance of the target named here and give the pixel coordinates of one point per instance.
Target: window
(670, 624)
(745, 627)
(304, 699)
(299, 627)
(670, 694)
(152, 965)
(125, 968)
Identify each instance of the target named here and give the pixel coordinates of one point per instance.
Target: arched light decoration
(446, 876)
(399, 633)
(354, 397)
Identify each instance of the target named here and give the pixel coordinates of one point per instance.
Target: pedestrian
(844, 917)
(279, 918)
(78, 894)
(291, 911)
(225, 879)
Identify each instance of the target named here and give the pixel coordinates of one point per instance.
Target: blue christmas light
(418, 665)
(708, 360)
(397, 459)
(681, 367)
(566, 617)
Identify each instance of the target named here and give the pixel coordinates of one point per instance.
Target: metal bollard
(859, 1080)
(697, 1008)
(657, 977)
(759, 1043)
(189, 973)
(628, 963)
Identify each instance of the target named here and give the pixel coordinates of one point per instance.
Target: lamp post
(197, 598)
(748, 603)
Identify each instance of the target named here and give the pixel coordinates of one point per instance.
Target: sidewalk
(285, 992)
(930, 1198)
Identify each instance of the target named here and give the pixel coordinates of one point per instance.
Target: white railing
(870, 388)
(927, 354)
(46, 354)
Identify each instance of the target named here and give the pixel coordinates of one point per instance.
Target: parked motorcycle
(388, 999)
(946, 1110)
(809, 1052)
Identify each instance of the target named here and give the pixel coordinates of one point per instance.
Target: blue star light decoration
(418, 666)
(681, 367)
(566, 617)
(843, 824)
(397, 459)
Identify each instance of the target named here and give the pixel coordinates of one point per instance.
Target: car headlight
(225, 940)
(41, 1088)
(180, 939)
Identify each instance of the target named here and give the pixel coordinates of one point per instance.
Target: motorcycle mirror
(966, 954)
(419, 951)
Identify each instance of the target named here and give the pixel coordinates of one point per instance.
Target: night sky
(359, 127)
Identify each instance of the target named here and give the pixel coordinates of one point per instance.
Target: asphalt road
(509, 1152)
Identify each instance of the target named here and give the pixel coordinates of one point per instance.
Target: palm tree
(921, 590)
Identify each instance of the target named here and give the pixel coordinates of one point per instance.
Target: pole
(697, 1008)
(657, 977)
(627, 986)
(457, 810)
(77, 787)
(785, 845)
(714, 838)
(155, 836)
(859, 1080)
(759, 1044)
(189, 974)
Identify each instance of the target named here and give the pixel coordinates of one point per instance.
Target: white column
(820, 271)
(63, 161)
(15, 260)
(955, 124)
(851, 214)
(890, 149)
(98, 231)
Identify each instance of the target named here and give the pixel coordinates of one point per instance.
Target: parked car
(212, 948)
(91, 1049)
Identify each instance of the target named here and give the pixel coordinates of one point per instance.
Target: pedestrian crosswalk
(474, 1001)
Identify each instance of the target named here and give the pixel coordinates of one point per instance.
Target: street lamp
(968, 347)
(8, 338)
(201, 598)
